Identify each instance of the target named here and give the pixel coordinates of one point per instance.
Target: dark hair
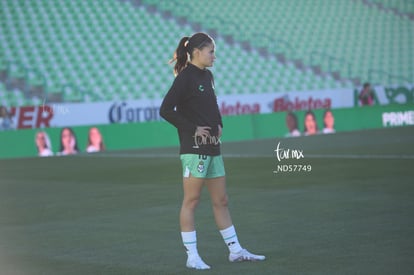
(6, 113)
(294, 117)
(186, 47)
(312, 114)
(73, 135)
(366, 85)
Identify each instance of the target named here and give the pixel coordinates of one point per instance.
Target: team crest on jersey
(200, 166)
(201, 88)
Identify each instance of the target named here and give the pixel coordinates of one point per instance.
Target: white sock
(230, 238)
(190, 242)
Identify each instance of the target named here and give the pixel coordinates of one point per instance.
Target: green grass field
(117, 212)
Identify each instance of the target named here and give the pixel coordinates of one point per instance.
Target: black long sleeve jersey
(189, 103)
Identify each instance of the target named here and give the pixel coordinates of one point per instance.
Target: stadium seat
(109, 49)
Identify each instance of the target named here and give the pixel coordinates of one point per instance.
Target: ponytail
(185, 49)
(180, 55)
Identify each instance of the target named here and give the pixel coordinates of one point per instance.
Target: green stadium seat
(102, 46)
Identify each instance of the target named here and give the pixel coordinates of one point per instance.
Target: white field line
(312, 156)
(360, 156)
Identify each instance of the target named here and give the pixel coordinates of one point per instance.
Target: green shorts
(202, 166)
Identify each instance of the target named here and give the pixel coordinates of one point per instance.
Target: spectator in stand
(366, 96)
(6, 122)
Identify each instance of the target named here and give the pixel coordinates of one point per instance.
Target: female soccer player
(191, 106)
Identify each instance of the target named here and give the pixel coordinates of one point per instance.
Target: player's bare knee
(191, 203)
(220, 202)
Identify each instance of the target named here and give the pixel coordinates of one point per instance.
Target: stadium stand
(400, 7)
(99, 50)
(352, 37)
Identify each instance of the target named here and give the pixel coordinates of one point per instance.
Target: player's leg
(192, 191)
(219, 199)
(192, 187)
